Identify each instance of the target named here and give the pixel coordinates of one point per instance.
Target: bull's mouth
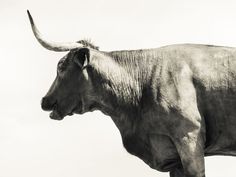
(56, 114)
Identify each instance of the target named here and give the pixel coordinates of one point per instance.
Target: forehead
(69, 56)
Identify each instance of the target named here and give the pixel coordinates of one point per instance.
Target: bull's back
(214, 77)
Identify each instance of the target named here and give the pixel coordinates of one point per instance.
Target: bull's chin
(55, 115)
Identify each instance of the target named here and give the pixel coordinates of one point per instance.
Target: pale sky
(33, 145)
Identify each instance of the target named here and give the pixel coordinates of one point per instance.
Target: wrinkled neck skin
(122, 82)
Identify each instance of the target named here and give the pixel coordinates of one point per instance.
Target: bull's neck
(120, 87)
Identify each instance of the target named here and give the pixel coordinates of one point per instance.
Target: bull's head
(67, 94)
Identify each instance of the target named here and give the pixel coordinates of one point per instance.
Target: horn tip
(28, 12)
(30, 17)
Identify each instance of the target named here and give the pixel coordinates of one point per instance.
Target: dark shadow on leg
(177, 172)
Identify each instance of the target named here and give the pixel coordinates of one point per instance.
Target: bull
(173, 105)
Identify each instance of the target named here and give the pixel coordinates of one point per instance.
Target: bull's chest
(156, 150)
(148, 143)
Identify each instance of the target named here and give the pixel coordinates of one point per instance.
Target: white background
(31, 144)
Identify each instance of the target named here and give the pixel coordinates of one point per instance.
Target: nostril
(44, 104)
(42, 100)
(47, 104)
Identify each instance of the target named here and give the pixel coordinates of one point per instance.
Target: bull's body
(172, 105)
(211, 76)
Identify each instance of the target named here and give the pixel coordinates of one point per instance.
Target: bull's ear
(82, 57)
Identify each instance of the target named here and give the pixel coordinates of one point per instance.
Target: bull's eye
(61, 66)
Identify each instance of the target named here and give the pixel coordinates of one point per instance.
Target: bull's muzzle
(47, 103)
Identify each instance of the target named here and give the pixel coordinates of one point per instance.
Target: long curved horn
(58, 47)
